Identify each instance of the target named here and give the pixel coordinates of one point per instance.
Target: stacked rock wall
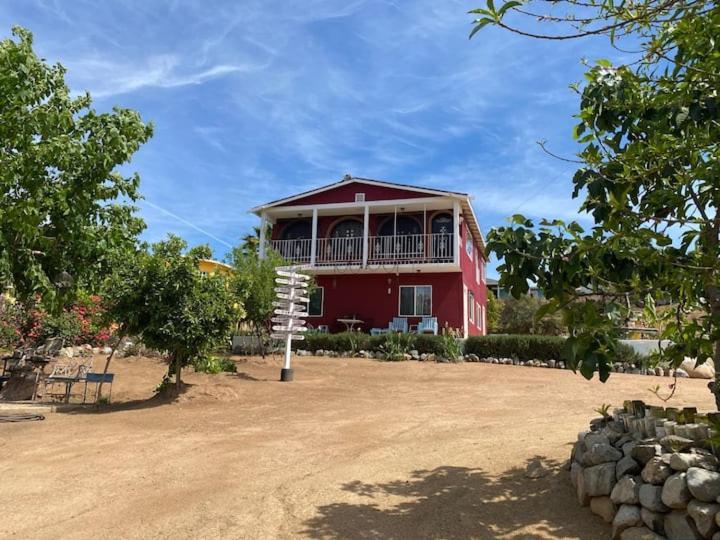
(651, 473)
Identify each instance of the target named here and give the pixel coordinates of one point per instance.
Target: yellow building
(210, 266)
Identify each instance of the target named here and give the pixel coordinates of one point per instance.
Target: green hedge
(520, 347)
(357, 341)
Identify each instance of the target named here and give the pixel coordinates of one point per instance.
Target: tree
(161, 296)
(66, 211)
(253, 283)
(494, 306)
(648, 177)
(520, 316)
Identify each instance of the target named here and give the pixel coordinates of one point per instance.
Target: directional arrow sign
(293, 282)
(288, 321)
(294, 337)
(294, 275)
(295, 298)
(291, 313)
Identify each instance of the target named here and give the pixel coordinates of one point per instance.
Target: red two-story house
(380, 250)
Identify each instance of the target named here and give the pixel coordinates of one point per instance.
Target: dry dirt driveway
(352, 449)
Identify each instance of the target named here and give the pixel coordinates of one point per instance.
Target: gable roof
(347, 179)
(464, 199)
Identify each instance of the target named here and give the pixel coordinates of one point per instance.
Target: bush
(521, 347)
(517, 316)
(396, 346)
(451, 345)
(214, 365)
(357, 341)
(66, 325)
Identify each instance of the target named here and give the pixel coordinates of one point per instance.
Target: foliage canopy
(161, 296)
(648, 177)
(66, 211)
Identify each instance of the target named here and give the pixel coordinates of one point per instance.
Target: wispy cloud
(258, 99)
(103, 77)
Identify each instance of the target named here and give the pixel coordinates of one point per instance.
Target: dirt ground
(351, 449)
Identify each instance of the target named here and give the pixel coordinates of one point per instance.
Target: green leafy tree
(520, 316)
(253, 283)
(648, 177)
(161, 296)
(66, 211)
(494, 306)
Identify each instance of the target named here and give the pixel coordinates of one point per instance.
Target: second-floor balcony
(408, 249)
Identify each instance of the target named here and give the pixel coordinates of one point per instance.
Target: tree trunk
(178, 380)
(716, 386)
(258, 332)
(107, 363)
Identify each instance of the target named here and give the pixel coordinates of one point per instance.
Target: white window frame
(415, 314)
(477, 267)
(322, 303)
(479, 315)
(471, 305)
(469, 244)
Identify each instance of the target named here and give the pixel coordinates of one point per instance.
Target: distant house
(381, 250)
(210, 266)
(502, 294)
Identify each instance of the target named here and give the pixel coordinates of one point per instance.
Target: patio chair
(96, 379)
(428, 325)
(398, 324)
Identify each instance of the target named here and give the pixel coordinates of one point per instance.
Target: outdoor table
(350, 323)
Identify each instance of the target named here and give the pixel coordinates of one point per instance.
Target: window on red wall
(415, 300)
(315, 306)
(471, 306)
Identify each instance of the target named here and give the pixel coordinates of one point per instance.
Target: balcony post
(456, 233)
(366, 228)
(263, 227)
(313, 241)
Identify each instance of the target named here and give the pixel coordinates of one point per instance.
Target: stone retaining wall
(651, 473)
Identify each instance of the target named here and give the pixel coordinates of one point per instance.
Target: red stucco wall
(366, 296)
(345, 193)
(479, 289)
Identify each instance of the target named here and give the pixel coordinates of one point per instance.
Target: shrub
(66, 325)
(450, 345)
(517, 316)
(11, 318)
(214, 365)
(396, 346)
(357, 341)
(521, 347)
(428, 343)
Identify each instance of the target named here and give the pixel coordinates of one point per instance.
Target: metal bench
(66, 374)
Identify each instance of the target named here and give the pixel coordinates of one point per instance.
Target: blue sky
(256, 100)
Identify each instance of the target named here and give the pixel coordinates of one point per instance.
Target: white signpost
(290, 308)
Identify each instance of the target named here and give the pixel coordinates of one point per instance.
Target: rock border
(651, 472)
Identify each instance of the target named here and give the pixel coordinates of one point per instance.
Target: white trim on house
(464, 199)
(355, 180)
(414, 286)
(464, 311)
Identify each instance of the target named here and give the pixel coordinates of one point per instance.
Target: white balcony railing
(297, 251)
(381, 250)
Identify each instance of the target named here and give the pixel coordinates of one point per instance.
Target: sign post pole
(290, 304)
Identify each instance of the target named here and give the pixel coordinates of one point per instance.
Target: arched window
(399, 238)
(297, 230)
(348, 228)
(442, 237)
(405, 225)
(442, 224)
(345, 244)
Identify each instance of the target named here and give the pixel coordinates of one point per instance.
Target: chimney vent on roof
(347, 178)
